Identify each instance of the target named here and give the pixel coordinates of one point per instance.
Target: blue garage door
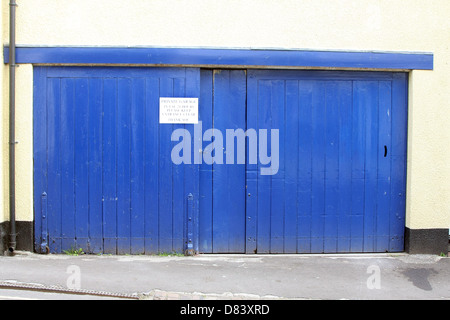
(340, 186)
(104, 180)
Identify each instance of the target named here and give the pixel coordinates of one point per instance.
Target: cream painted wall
(3, 97)
(4, 187)
(24, 148)
(388, 25)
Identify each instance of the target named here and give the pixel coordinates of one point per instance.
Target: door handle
(385, 151)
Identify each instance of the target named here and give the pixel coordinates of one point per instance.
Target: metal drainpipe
(12, 133)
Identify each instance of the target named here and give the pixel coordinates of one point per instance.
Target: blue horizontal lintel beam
(222, 57)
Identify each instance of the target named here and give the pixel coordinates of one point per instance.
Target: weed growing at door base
(74, 252)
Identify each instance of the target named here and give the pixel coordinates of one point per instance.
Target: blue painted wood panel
(229, 177)
(222, 183)
(104, 162)
(205, 172)
(341, 180)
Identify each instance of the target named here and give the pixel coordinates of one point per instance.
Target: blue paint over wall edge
(223, 57)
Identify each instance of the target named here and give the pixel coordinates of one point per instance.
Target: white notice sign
(178, 110)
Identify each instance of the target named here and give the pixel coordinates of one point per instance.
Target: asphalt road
(354, 277)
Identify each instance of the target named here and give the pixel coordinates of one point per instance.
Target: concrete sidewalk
(365, 276)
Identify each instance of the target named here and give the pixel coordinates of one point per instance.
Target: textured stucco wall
(4, 87)
(24, 147)
(400, 25)
(3, 98)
